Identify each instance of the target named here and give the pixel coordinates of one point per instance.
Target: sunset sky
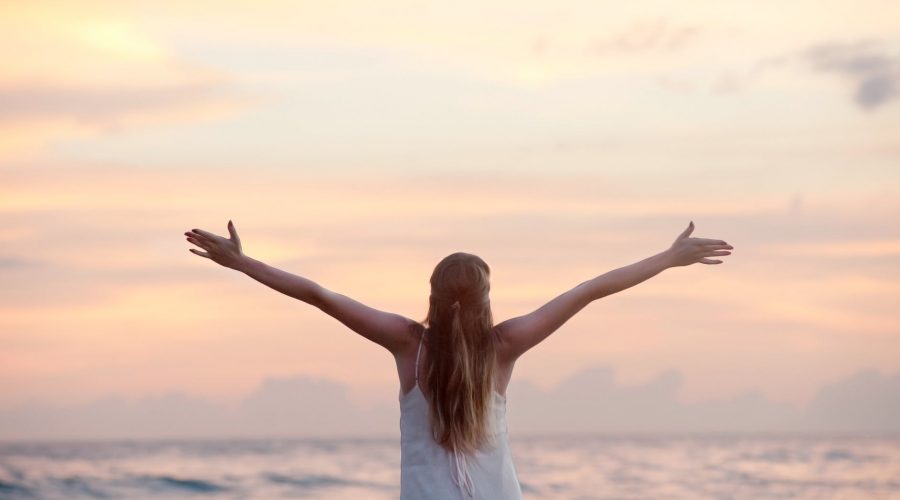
(358, 143)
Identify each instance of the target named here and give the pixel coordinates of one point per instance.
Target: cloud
(33, 116)
(591, 401)
(874, 72)
(7, 262)
(98, 106)
(92, 70)
(287, 406)
(868, 65)
(281, 406)
(645, 35)
(868, 248)
(867, 401)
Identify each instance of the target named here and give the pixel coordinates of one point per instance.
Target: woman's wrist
(666, 258)
(243, 263)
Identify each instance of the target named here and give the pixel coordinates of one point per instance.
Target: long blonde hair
(461, 354)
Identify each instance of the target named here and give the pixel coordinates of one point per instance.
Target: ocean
(570, 467)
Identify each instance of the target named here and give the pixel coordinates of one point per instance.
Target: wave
(320, 480)
(13, 489)
(181, 484)
(163, 485)
(843, 455)
(92, 487)
(81, 486)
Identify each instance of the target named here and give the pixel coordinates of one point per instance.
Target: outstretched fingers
(205, 234)
(204, 244)
(708, 241)
(710, 261)
(198, 252)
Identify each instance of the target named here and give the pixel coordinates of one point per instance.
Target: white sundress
(430, 472)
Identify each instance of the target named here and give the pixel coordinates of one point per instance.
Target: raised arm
(519, 334)
(389, 330)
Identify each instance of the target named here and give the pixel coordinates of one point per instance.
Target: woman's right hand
(226, 252)
(686, 251)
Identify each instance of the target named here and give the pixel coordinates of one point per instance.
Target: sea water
(569, 467)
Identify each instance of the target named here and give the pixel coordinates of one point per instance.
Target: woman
(454, 367)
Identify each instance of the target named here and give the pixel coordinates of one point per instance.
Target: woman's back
(429, 471)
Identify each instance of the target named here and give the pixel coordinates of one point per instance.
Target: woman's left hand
(224, 251)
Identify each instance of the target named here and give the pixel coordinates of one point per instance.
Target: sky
(358, 143)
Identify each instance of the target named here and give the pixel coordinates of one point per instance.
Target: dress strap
(417, 356)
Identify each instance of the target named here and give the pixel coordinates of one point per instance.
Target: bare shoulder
(405, 357)
(412, 336)
(506, 353)
(506, 360)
